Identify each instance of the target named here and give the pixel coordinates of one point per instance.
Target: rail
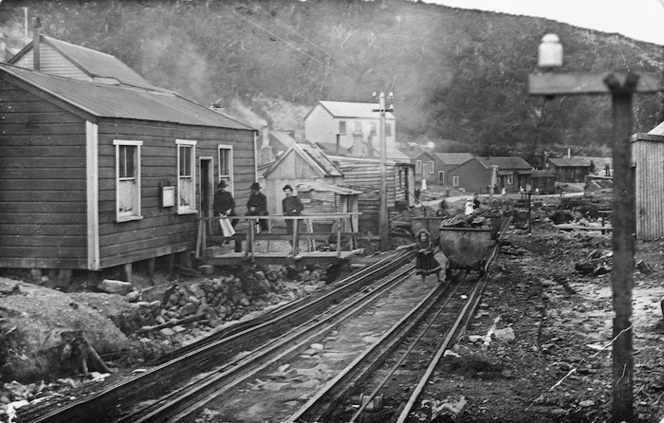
(207, 232)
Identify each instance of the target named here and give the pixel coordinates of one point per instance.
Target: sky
(639, 19)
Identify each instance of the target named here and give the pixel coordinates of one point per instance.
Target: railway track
(219, 374)
(376, 386)
(169, 377)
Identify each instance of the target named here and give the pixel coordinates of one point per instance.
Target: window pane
(342, 127)
(224, 162)
(127, 161)
(185, 160)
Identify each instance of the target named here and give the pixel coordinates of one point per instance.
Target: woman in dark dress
(426, 263)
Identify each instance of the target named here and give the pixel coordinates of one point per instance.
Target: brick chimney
(358, 143)
(36, 42)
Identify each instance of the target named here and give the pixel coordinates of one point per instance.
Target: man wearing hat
(257, 205)
(224, 203)
(292, 206)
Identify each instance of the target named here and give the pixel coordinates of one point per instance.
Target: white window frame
(135, 212)
(418, 167)
(509, 180)
(455, 181)
(191, 207)
(431, 167)
(344, 125)
(229, 175)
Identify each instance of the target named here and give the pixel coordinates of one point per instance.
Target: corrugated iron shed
(123, 102)
(648, 156)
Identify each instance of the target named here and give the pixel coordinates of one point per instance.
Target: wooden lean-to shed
(363, 174)
(322, 198)
(96, 172)
(648, 157)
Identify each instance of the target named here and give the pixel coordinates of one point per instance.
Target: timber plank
(40, 207)
(42, 263)
(44, 230)
(38, 241)
(43, 218)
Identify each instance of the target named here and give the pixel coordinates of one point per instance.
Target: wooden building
(543, 182)
(96, 174)
(363, 175)
(648, 156)
(322, 198)
(300, 163)
(474, 175)
(347, 124)
(446, 162)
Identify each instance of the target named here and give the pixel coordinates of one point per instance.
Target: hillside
(458, 75)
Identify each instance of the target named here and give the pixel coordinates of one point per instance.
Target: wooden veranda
(250, 246)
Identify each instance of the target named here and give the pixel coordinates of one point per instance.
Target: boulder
(111, 286)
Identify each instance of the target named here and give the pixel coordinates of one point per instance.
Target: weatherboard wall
(42, 183)
(44, 198)
(162, 230)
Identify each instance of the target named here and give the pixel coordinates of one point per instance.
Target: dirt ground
(556, 368)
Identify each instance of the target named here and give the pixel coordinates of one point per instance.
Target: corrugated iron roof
(504, 162)
(318, 156)
(454, 159)
(124, 102)
(580, 161)
(97, 63)
(353, 110)
(94, 63)
(321, 186)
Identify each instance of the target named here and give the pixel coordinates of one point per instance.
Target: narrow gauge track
(398, 360)
(170, 375)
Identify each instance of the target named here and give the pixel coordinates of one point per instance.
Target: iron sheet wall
(648, 155)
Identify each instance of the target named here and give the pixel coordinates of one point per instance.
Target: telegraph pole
(383, 218)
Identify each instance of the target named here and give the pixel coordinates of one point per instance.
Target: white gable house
(349, 124)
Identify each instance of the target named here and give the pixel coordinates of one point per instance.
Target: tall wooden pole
(624, 228)
(384, 228)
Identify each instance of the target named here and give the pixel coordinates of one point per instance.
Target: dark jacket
(259, 201)
(292, 206)
(223, 201)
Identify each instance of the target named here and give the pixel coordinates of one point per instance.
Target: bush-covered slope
(459, 76)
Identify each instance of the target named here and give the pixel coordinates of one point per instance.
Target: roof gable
(95, 100)
(95, 64)
(454, 159)
(313, 156)
(347, 109)
(504, 162)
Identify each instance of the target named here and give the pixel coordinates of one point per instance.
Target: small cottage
(513, 173)
(576, 168)
(104, 170)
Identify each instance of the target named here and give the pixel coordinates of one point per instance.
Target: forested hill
(459, 77)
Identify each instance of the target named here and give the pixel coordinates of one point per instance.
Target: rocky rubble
(38, 324)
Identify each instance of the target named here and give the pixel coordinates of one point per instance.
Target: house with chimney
(352, 126)
(99, 168)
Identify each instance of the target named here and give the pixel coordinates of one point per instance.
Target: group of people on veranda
(224, 205)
